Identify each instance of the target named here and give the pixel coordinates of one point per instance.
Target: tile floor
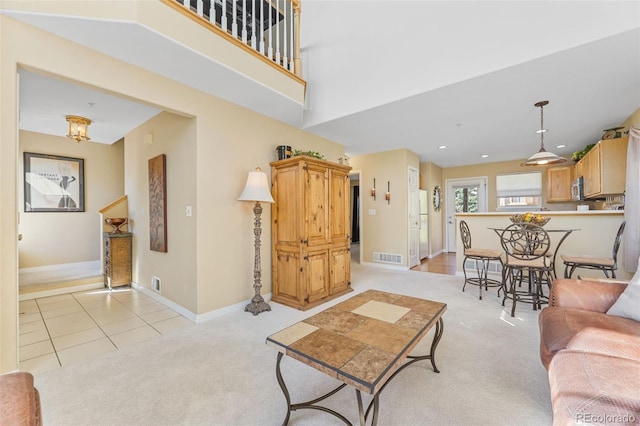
(60, 330)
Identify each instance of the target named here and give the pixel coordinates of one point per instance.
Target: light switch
(372, 212)
(188, 211)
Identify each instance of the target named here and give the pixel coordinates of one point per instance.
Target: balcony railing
(269, 27)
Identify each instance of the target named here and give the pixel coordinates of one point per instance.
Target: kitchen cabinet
(559, 180)
(117, 259)
(604, 168)
(310, 231)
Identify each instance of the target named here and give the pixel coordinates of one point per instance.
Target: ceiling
(430, 86)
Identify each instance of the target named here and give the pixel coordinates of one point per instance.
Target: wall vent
(155, 283)
(387, 258)
(494, 266)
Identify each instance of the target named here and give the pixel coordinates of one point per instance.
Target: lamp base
(256, 306)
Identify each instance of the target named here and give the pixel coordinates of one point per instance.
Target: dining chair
(527, 261)
(604, 264)
(481, 258)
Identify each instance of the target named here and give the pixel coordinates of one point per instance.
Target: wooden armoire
(310, 231)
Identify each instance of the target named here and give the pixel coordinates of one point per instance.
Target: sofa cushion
(591, 388)
(559, 325)
(628, 304)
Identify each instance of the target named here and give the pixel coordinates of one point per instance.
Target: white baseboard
(196, 318)
(386, 266)
(89, 265)
(62, 290)
(438, 253)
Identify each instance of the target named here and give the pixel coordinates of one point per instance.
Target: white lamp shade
(257, 188)
(542, 158)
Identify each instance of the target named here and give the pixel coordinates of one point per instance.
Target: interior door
(414, 218)
(463, 195)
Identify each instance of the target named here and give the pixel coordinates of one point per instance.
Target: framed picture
(53, 183)
(158, 203)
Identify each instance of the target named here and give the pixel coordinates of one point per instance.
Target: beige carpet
(222, 373)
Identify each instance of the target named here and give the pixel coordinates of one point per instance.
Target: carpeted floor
(222, 373)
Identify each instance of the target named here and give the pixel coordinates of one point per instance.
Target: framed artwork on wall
(158, 203)
(53, 183)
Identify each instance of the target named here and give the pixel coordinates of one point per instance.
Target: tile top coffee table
(363, 342)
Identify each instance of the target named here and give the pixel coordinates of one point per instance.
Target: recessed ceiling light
(484, 155)
(442, 147)
(561, 146)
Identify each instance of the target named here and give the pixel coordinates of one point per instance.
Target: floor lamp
(257, 190)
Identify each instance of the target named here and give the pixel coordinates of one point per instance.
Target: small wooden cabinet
(604, 168)
(310, 231)
(117, 259)
(559, 180)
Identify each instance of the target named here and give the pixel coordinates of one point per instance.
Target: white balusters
(212, 12)
(278, 32)
(270, 49)
(261, 27)
(284, 30)
(253, 24)
(234, 19)
(244, 21)
(281, 26)
(223, 18)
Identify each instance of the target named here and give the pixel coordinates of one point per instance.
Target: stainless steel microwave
(577, 189)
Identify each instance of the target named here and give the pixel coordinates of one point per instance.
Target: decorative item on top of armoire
(310, 231)
(158, 203)
(117, 259)
(257, 190)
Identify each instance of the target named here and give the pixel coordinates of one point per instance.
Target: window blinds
(519, 185)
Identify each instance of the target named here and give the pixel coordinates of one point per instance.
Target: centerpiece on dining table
(530, 219)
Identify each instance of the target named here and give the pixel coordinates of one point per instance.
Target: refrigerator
(424, 224)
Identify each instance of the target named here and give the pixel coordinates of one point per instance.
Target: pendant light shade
(543, 157)
(78, 128)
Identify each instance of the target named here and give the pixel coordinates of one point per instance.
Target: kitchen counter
(594, 234)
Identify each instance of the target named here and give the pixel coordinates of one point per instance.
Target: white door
(463, 195)
(414, 218)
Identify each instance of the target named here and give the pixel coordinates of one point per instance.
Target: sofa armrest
(19, 400)
(587, 295)
(606, 342)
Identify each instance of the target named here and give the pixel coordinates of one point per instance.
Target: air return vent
(387, 258)
(470, 265)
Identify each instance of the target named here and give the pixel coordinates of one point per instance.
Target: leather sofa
(592, 358)
(19, 400)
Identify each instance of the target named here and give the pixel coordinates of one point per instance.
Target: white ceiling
(391, 74)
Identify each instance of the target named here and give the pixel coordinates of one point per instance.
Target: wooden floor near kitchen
(444, 263)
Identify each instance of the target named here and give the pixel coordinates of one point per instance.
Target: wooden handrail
(113, 204)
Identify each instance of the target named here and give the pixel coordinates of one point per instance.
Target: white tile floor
(60, 330)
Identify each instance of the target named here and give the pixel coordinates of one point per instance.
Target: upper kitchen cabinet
(559, 181)
(604, 168)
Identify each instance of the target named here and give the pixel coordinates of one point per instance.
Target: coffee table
(364, 342)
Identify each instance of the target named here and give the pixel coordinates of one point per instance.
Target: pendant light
(78, 128)
(543, 157)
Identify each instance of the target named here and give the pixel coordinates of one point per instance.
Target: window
(519, 191)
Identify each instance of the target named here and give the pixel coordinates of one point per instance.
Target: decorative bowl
(116, 222)
(530, 218)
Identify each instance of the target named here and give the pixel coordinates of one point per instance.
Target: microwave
(577, 189)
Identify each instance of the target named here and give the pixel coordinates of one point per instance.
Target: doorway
(356, 216)
(467, 195)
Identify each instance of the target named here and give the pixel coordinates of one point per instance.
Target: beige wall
(387, 230)
(58, 238)
(229, 142)
(633, 119)
(175, 137)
